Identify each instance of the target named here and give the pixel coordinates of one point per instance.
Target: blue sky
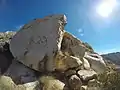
(102, 33)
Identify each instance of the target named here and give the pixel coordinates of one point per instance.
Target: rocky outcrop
(44, 47)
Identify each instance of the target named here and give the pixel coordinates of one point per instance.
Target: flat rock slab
(39, 39)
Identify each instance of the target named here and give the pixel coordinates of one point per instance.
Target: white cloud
(18, 27)
(80, 32)
(108, 51)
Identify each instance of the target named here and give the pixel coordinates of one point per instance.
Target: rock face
(44, 47)
(37, 40)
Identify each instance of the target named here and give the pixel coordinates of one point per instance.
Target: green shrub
(6, 83)
(6, 36)
(89, 48)
(110, 80)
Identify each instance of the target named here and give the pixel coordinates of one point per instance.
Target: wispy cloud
(108, 51)
(19, 26)
(80, 32)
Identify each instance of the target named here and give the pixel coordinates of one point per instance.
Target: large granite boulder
(39, 40)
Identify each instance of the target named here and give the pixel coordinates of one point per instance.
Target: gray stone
(30, 85)
(86, 64)
(94, 85)
(51, 83)
(20, 73)
(83, 87)
(87, 75)
(96, 61)
(75, 82)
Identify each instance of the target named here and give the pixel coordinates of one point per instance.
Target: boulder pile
(44, 47)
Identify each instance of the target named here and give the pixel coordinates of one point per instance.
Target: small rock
(64, 62)
(87, 75)
(86, 64)
(30, 85)
(20, 74)
(7, 81)
(83, 87)
(50, 83)
(75, 82)
(94, 85)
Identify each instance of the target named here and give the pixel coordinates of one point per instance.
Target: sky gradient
(102, 33)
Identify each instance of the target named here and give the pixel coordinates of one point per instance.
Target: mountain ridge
(113, 57)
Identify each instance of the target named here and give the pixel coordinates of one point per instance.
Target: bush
(110, 80)
(6, 36)
(50, 83)
(88, 47)
(6, 83)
